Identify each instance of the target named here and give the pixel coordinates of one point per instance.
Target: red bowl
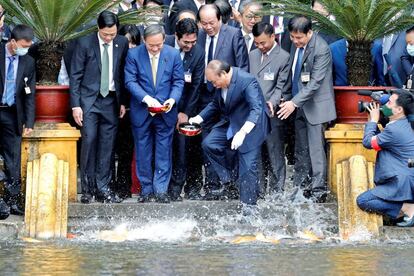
(158, 109)
(188, 129)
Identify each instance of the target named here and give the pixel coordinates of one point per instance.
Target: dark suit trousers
(272, 166)
(153, 149)
(310, 157)
(184, 148)
(217, 148)
(11, 149)
(98, 140)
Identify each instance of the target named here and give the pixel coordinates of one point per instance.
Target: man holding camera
(394, 191)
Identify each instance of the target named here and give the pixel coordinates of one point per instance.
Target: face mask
(410, 49)
(386, 111)
(22, 51)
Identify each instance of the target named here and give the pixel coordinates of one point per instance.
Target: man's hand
(238, 139)
(77, 114)
(236, 15)
(271, 109)
(27, 131)
(286, 108)
(196, 120)
(151, 102)
(374, 112)
(181, 118)
(170, 103)
(122, 111)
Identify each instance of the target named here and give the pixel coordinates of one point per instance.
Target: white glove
(238, 139)
(170, 103)
(151, 102)
(196, 120)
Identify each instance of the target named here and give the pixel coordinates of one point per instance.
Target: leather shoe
(86, 198)
(109, 198)
(210, 196)
(146, 198)
(16, 210)
(162, 198)
(4, 210)
(318, 196)
(194, 196)
(175, 197)
(408, 222)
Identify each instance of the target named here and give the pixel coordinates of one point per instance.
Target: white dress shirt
(296, 58)
(176, 46)
(111, 61)
(251, 40)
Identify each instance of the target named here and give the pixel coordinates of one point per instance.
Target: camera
(381, 97)
(410, 163)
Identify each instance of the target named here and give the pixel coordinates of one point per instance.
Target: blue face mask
(410, 49)
(22, 51)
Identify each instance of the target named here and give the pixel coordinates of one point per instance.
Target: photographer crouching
(393, 194)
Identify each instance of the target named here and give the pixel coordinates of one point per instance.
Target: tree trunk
(49, 61)
(359, 62)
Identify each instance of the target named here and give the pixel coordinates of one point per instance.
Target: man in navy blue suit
(221, 42)
(241, 130)
(154, 76)
(96, 88)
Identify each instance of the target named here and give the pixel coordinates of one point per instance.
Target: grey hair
(154, 30)
(248, 3)
(219, 66)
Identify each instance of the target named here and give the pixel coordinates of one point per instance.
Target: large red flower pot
(346, 102)
(52, 103)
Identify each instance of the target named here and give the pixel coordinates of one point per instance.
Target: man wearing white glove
(242, 128)
(154, 76)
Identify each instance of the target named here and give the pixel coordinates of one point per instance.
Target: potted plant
(55, 23)
(360, 23)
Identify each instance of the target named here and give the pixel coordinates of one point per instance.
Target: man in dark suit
(4, 28)
(96, 88)
(17, 108)
(249, 15)
(224, 43)
(270, 65)
(154, 76)
(407, 59)
(241, 130)
(185, 40)
(312, 97)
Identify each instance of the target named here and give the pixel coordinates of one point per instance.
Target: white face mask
(410, 49)
(22, 51)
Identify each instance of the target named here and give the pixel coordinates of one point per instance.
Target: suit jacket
(6, 33)
(315, 97)
(244, 102)
(178, 7)
(278, 64)
(407, 63)
(85, 70)
(194, 64)
(25, 103)
(139, 82)
(230, 46)
(393, 179)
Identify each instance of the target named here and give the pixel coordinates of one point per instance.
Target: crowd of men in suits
(249, 80)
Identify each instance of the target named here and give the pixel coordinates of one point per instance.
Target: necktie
(247, 39)
(210, 50)
(265, 56)
(296, 76)
(154, 69)
(275, 26)
(10, 83)
(105, 72)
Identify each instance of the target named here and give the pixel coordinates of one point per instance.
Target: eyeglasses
(255, 17)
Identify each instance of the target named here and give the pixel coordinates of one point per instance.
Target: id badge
(409, 83)
(305, 77)
(187, 77)
(279, 30)
(269, 76)
(27, 90)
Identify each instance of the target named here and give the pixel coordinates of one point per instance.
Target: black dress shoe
(109, 198)
(175, 197)
(146, 198)
(86, 198)
(194, 196)
(162, 198)
(4, 210)
(318, 196)
(16, 210)
(210, 196)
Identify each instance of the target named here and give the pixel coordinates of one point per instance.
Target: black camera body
(380, 97)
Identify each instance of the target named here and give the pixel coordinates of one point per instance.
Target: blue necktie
(209, 58)
(10, 84)
(296, 76)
